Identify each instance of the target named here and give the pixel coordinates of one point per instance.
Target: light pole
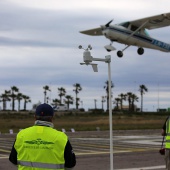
(95, 104)
(88, 61)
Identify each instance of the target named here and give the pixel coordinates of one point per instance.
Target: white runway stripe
(145, 168)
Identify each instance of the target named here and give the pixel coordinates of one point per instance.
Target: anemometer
(87, 58)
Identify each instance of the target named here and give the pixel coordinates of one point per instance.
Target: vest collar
(44, 123)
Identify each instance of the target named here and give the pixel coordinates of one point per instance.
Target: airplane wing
(94, 32)
(153, 22)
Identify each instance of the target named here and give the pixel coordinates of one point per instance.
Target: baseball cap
(44, 110)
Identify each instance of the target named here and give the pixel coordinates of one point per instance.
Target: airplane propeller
(108, 24)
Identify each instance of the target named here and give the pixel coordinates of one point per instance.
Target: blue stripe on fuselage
(161, 44)
(143, 38)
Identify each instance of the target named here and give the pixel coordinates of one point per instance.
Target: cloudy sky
(39, 42)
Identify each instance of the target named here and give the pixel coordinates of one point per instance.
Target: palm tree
(77, 89)
(26, 100)
(13, 96)
(61, 93)
(122, 97)
(46, 88)
(117, 101)
(134, 99)
(142, 89)
(106, 87)
(19, 97)
(5, 97)
(129, 98)
(69, 100)
(56, 102)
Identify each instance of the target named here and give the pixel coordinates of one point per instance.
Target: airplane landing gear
(120, 54)
(140, 51)
(109, 48)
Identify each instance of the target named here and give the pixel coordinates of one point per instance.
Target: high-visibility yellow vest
(167, 143)
(40, 148)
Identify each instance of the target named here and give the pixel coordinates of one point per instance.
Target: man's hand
(163, 133)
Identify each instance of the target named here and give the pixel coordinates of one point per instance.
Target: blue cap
(44, 110)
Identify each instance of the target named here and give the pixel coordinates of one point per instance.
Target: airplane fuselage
(125, 36)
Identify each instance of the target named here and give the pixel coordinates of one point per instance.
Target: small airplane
(133, 33)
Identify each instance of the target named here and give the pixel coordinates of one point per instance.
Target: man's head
(44, 112)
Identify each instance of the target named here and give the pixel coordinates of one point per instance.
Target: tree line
(14, 94)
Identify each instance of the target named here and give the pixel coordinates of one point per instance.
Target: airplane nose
(104, 30)
(103, 27)
(104, 33)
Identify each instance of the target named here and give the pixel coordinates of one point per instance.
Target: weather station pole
(88, 61)
(110, 116)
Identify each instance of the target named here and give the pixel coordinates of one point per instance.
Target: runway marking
(121, 144)
(94, 145)
(108, 152)
(145, 168)
(91, 153)
(4, 150)
(3, 156)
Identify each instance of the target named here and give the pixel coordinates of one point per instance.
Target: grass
(85, 122)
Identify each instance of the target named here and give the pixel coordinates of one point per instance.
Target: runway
(131, 152)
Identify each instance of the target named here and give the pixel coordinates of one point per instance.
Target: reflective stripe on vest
(41, 165)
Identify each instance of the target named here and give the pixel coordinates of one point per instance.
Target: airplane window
(145, 31)
(134, 28)
(126, 24)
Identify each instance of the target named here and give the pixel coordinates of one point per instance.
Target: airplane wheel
(120, 54)
(140, 51)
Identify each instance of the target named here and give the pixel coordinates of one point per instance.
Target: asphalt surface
(132, 149)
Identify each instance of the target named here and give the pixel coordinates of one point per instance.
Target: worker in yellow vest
(40, 147)
(166, 133)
